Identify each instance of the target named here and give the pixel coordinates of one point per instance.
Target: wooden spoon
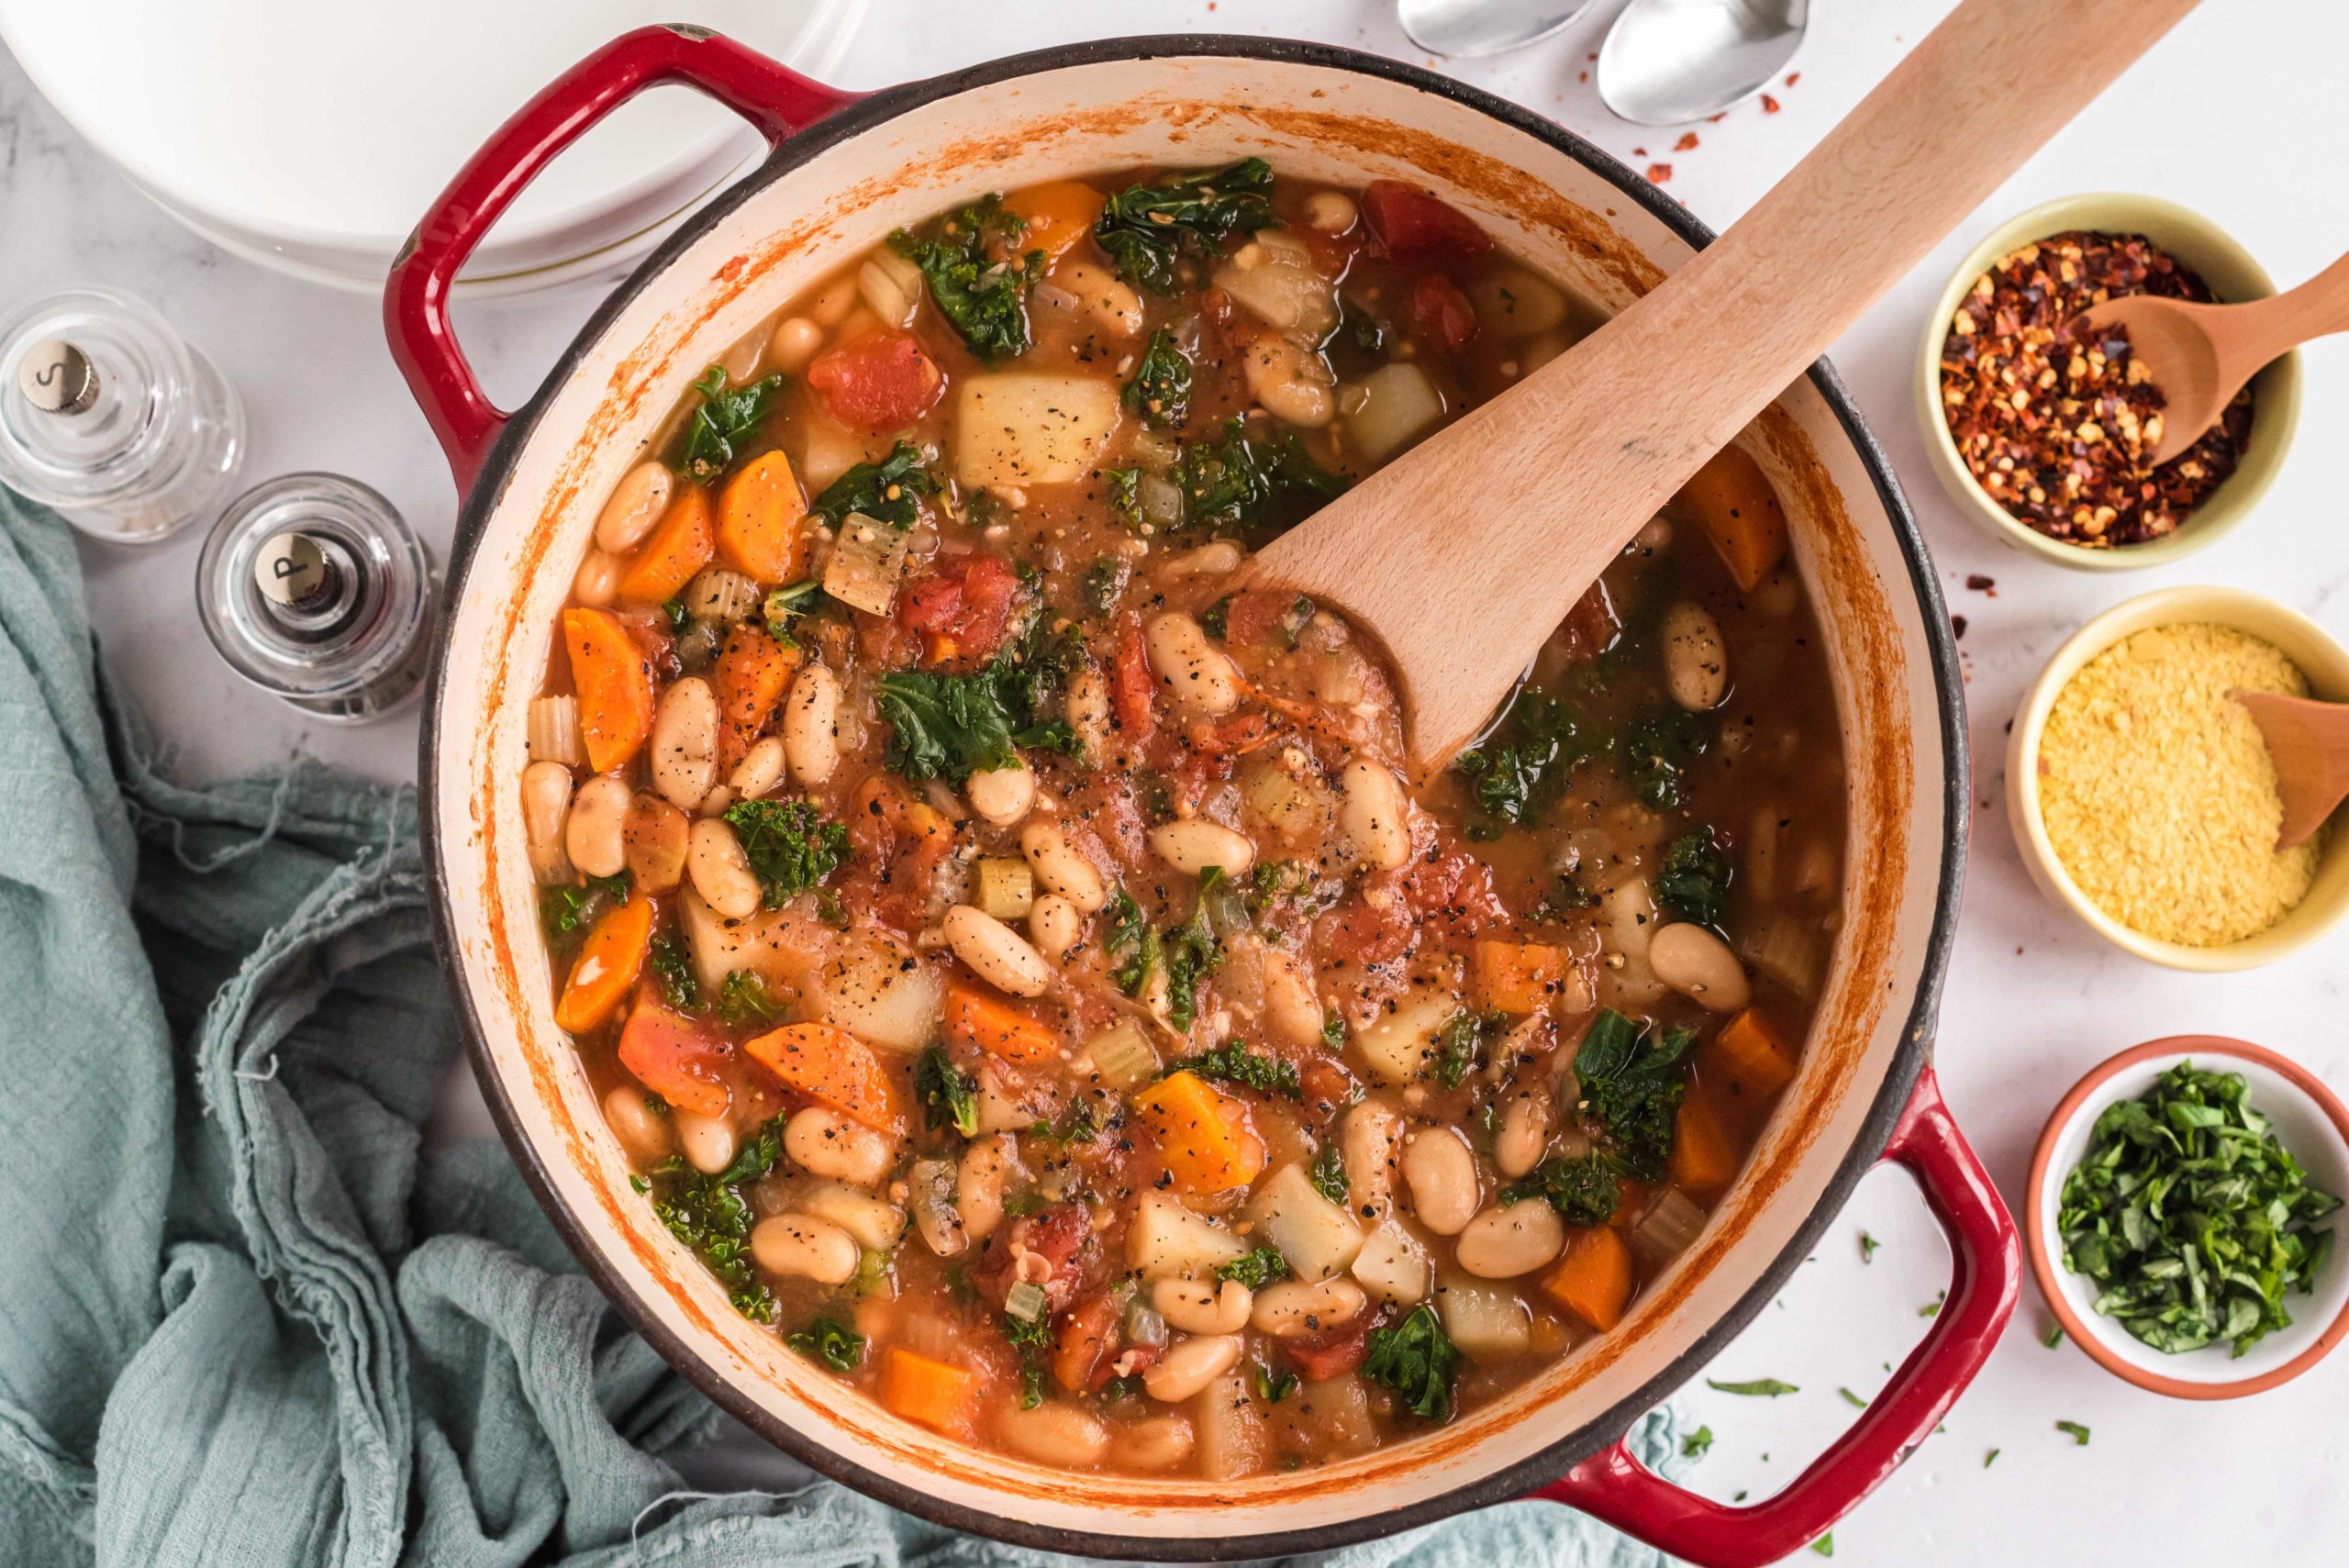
(1463, 556)
(2201, 354)
(2309, 742)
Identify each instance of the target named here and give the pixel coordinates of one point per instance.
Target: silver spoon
(1670, 62)
(1464, 28)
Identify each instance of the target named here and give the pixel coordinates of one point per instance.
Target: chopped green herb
(710, 1215)
(1459, 1045)
(1145, 227)
(835, 1344)
(1584, 1191)
(1522, 768)
(1868, 1244)
(1333, 1031)
(1760, 1388)
(950, 727)
(1693, 882)
(674, 973)
(975, 280)
(1930, 1309)
(1327, 1173)
(1631, 1082)
(790, 846)
(567, 910)
(1854, 1400)
(1160, 392)
(1417, 1361)
(1274, 1386)
(1130, 935)
(1696, 1444)
(2191, 1219)
(1125, 497)
(1117, 1388)
(673, 611)
(714, 436)
(888, 492)
(1991, 1458)
(1657, 750)
(949, 1096)
(1241, 485)
(784, 608)
(1234, 1062)
(1825, 1544)
(2079, 1433)
(1192, 953)
(2054, 1337)
(744, 999)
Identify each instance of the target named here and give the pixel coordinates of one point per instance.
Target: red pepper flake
(1958, 627)
(1982, 584)
(1582, 76)
(2057, 428)
(1769, 104)
(1659, 173)
(1687, 142)
(1716, 119)
(1793, 77)
(1639, 153)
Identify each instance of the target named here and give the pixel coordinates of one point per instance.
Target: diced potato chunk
(780, 946)
(1168, 1239)
(1393, 406)
(1487, 1322)
(866, 563)
(1275, 279)
(1317, 1237)
(1004, 887)
(1393, 1265)
(1234, 1438)
(1514, 303)
(1399, 1043)
(1017, 427)
(881, 996)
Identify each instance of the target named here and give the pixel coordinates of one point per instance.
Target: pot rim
(1504, 1484)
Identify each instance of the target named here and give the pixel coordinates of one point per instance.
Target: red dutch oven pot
(844, 171)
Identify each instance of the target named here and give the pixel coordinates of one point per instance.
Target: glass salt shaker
(112, 417)
(314, 589)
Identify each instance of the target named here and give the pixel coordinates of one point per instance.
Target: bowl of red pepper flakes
(2041, 434)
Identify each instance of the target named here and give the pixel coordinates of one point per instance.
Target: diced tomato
(880, 382)
(962, 608)
(1327, 1081)
(1411, 223)
(1235, 736)
(1258, 618)
(1334, 1348)
(1088, 1340)
(1447, 886)
(673, 1056)
(1042, 1250)
(1361, 931)
(896, 843)
(1440, 314)
(1591, 628)
(1132, 686)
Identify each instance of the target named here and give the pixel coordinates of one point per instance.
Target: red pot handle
(1986, 1278)
(416, 299)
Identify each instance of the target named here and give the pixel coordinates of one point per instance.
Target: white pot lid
(322, 131)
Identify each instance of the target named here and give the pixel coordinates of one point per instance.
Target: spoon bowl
(1670, 62)
(1464, 30)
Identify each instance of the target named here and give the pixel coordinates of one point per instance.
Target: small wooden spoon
(2201, 354)
(2309, 742)
(1463, 556)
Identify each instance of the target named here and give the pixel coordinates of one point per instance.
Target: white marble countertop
(2239, 114)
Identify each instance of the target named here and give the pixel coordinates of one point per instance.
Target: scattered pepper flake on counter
(1687, 142)
(1958, 627)
(1659, 173)
(2056, 429)
(2158, 795)
(1982, 584)
(1769, 104)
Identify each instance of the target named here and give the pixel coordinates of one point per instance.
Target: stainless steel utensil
(1670, 61)
(1465, 29)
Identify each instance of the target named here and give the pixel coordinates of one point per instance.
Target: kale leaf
(710, 1215)
(1327, 1173)
(714, 435)
(1160, 392)
(744, 999)
(1417, 1360)
(1144, 228)
(1255, 1270)
(1693, 882)
(1584, 1191)
(790, 846)
(949, 1096)
(1521, 771)
(949, 726)
(1631, 1083)
(1459, 1045)
(1233, 1062)
(667, 962)
(1243, 484)
(1657, 749)
(835, 1344)
(783, 608)
(889, 491)
(975, 281)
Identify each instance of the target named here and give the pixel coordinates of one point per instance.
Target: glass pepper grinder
(314, 588)
(109, 416)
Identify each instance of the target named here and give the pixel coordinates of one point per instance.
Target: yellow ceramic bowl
(2233, 277)
(2307, 644)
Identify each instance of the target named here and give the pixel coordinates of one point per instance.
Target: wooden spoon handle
(2270, 328)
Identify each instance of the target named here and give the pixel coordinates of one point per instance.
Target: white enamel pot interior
(1320, 114)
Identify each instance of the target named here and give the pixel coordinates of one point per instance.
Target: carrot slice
(751, 675)
(613, 680)
(675, 1057)
(1733, 502)
(1516, 977)
(1757, 1060)
(761, 520)
(1058, 213)
(1592, 1280)
(941, 1397)
(606, 967)
(834, 1066)
(992, 1024)
(1205, 1137)
(1702, 1161)
(680, 544)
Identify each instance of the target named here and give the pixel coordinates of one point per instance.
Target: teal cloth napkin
(246, 1318)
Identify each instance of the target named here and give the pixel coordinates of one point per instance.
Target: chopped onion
(1672, 1222)
(719, 595)
(1144, 1324)
(865, 564)
(1052, 297)
(1121, 1056)
(1159, 499)
(890, 284)
(1026, 1301)
(554, 730)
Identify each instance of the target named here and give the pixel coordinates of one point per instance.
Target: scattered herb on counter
(1417, 1360)
(2193, 1221)
(1160, 391)
(888, 492)
(1854, 1400)
(833, 1343)
(1144, 228)
(724, 419)
(2054, 1337)
(949, 1096)
(1825, 1544)
(1868, 1244)
(1630, 1081)
(976, 278)
(1932, 1308)
(1584, 1191)
(2076, 1432)
(1693, 880)
(1759, 1388)
(1991, 1458)
(790, 845)
(1697, 1443)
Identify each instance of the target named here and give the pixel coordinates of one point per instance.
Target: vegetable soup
(1016, 966)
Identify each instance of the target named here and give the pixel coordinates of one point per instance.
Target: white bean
(1292, 1011)
(1293, 384)
(1700, 966)
(1061, 867)
(803, 1245)
(825, 1143)
(1054, 925)
(546, 804)
(1056, 1433)
(1191, 1365)
(1366, 1145)
(1441, 1171)
(593, 833)
(1372, 815)
(811, 724)
(1525, 1132)
(635, 504)
(1331, 212)
(1104, 296)
(708, 1142)
(1158, 1443)
(1001, 796)
(890, 286)
(1197, 675)
(646, 1137)
(1294, 1307)
(1194, 845)
(996, 953)
(1511, 1240)
(720, 871)
(598, 579)
(1088, 714)
(1201, 1307)
(979, 1180)
(760, 770)
(1696, 657)
(1215, 559)
(793, 344)
(685, 743)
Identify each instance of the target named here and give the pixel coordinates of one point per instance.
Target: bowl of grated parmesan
(2143, 798)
